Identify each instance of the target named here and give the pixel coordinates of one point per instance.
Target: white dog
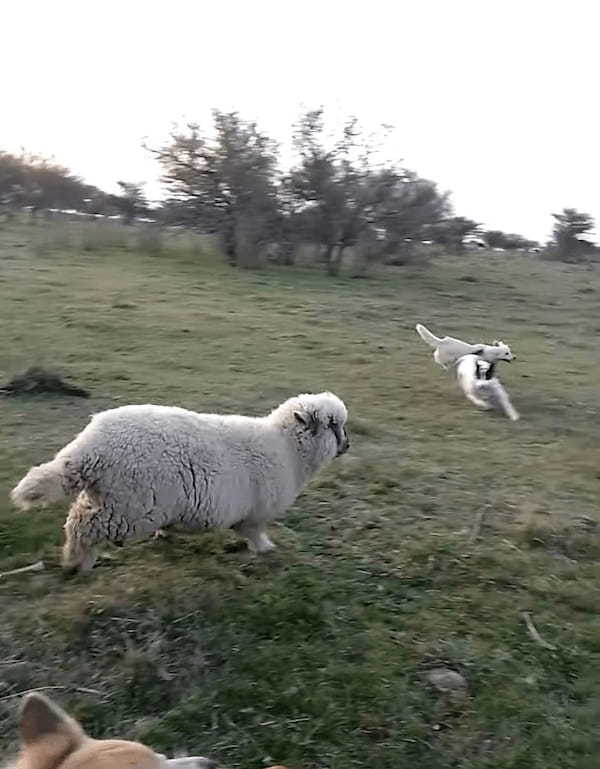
(477, 379)
(448, 350)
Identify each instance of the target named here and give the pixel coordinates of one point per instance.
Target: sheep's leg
(77, 554)
(256, 536)
(76, 557)
(262, 543)
(89, 524)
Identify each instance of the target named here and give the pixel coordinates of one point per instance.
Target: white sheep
(136, 469)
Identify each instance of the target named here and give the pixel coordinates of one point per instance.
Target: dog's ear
(307, 420)
(40, 717)
(497, 343)
(478, 350)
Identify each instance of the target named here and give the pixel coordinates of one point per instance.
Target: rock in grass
(448, 682)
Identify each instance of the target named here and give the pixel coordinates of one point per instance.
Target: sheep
(136, 469)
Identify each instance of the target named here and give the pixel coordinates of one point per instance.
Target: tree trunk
(248, 241)
(335, 262)
(288, 256)
(327, 257)
(229, 244)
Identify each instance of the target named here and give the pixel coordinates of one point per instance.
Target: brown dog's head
(50, 739)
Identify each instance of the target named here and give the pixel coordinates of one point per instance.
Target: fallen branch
(534, 633)
(81, 689)
(38, 566)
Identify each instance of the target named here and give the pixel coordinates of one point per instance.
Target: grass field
(420, 548)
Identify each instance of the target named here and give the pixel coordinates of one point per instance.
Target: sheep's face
(341, 436)
(323, 418)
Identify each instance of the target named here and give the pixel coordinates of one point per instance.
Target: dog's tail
(43, 485)
(426, 335)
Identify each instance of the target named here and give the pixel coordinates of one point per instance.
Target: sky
(495, 100)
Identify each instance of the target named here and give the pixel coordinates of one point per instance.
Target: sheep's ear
(307, 420)
(303, 417)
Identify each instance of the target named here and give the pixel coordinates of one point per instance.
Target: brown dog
(50, 739)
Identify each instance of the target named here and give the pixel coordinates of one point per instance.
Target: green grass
(317, 656)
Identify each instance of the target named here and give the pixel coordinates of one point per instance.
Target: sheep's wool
(136, 469)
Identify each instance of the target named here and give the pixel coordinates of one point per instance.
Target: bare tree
(568, 243)
(30, 180)
(131, 202)
(347, 198)
(509, 241)
(452, 231)
(224, 182)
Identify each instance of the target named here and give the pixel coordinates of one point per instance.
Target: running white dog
(477, 379)
(448, 350)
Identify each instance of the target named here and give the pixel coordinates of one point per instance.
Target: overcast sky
(496, 100)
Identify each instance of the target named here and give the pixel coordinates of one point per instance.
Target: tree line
(338, 196)
(33, 182)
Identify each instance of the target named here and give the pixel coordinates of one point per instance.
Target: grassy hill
(421, 548)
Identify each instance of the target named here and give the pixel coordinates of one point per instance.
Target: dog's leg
(478, 402)
(512, 413)
(505, 404)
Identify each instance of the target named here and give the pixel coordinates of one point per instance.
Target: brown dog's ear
(41, 717)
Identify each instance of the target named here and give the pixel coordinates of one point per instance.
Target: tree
(412, 205)
(568, 243)
(509, 241)
(30, 180)
(224, 183)
(315, 185)
(131, 202)
(345, 198)
(452, 231)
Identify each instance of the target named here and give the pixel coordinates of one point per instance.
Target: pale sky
(498, 101)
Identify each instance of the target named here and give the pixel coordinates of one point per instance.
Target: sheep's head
(324, 415)
(318, 420)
